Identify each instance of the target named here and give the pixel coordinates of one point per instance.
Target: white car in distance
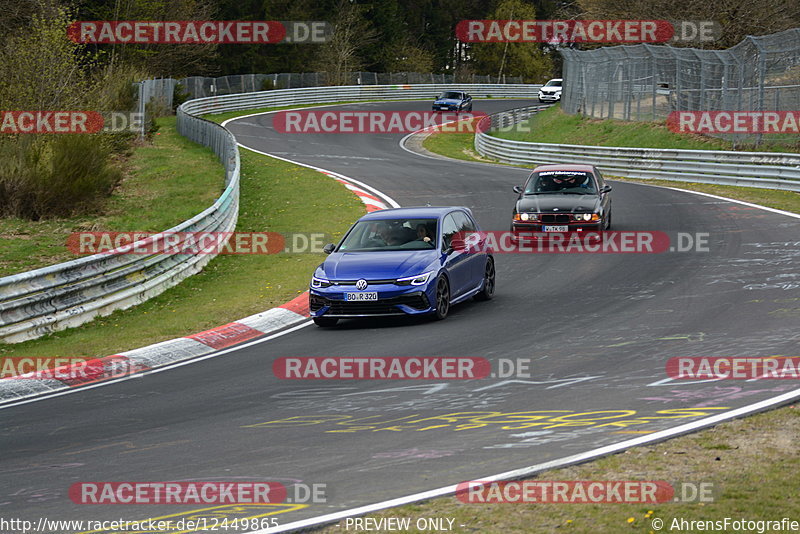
(551, 91)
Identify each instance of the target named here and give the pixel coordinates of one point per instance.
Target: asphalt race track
(598, 329)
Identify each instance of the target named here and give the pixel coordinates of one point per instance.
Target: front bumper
(518, 228)
(446, 107)
(392, 300)
(550, 97)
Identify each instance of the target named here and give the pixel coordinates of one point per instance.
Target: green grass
(276, 197)
(555, 126)
(172, 167)
(752, 464)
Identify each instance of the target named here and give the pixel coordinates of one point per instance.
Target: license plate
(556, 228)
(443, 108)
(360, 297)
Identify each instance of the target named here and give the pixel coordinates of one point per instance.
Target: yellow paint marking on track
(634, 432)
(207, 518)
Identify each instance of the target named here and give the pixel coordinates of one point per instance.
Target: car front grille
(376, 307)
(555, 218)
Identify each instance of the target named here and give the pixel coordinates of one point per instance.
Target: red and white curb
(194, 346)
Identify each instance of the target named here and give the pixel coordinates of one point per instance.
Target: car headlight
(317, 283)
(417, 280)
(525, 217)
(586, 217)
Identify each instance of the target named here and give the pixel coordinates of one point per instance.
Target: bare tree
(739, 18)
(339, 55)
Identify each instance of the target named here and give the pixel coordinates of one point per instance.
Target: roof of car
(418, 212)
(565, 167)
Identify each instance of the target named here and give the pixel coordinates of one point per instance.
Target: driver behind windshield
(574, 182)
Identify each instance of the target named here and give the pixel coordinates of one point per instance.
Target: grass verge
(554, 126)
(275, 196)
(750, 463)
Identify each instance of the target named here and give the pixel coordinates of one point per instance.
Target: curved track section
(598, 329)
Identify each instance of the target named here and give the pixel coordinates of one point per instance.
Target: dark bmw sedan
(563, 198)
(453, 101)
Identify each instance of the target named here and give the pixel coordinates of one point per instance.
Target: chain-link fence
(157, 97)
(199, 86)
(648, 82)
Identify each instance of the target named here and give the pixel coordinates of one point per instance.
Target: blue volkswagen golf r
(404, 261)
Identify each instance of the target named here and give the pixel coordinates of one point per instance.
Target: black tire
(442, 298)
(608, 221)
(325, 321)
(488, 281)
(541, 101)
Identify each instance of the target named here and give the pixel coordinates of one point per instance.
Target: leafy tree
(512, 59)
(739, 18)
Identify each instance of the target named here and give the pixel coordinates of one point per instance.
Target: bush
(179, 96)
(55, 176)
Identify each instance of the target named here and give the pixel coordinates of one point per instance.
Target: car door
(605, 198)
(476, 260)
(457, 263)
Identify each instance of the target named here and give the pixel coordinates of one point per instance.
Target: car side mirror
(327, 249)
(518, 189)
(455, 244)
(606, 189)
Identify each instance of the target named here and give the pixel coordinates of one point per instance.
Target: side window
(600, 181)
(463, 222)
(449, 228)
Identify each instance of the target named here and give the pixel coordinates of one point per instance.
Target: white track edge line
(526, 471)
(306, 322)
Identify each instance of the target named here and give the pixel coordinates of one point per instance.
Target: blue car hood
(381, 265)
(448, 101)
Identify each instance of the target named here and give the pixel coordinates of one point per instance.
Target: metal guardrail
(353, 93)
(770, 170)
(38, 302)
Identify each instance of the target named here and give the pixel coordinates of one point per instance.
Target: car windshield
(553, 83)
(450, 94)
(567, 182)
(391, 234)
